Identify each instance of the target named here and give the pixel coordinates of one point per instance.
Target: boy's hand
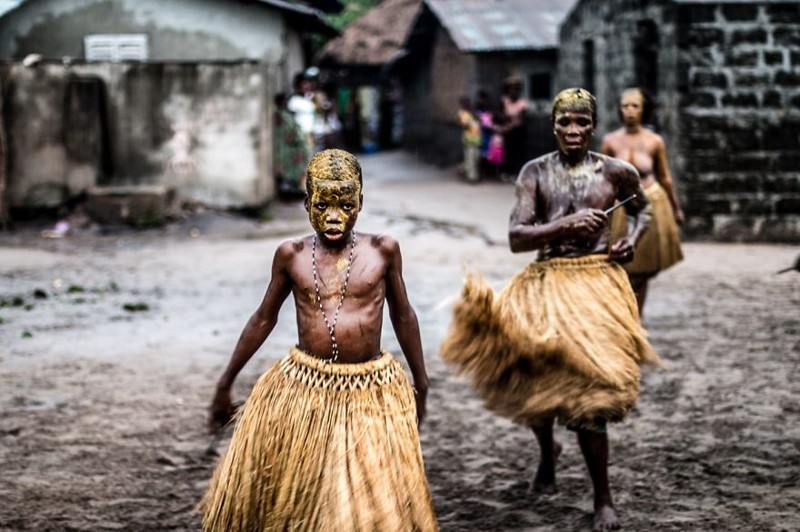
(221, 410)
(421, 397)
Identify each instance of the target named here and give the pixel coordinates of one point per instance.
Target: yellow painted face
(334, 194)
(333, 208)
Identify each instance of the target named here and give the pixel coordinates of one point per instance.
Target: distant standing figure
(484, 113)
(660, 247)
(302, 105)
(470, 138)
(515, 133)
(290, 151)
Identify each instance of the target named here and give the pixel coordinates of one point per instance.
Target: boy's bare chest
(361, 277)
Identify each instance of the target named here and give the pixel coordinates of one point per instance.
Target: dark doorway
(645, 56)
(588, 65)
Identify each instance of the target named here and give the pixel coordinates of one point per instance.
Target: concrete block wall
(728, 97)
(739, 147)
(611, 25)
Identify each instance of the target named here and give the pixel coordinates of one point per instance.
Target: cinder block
(788, 13)
(786, 36)
(137, 206)
(739, 13)
(787, 77)
(710, 79)
(740, 100)
(754, 36)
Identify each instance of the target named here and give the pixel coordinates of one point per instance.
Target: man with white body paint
(563, 340)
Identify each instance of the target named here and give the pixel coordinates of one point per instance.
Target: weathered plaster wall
(177, 30)
(203, 129)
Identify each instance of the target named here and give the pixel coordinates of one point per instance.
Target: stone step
(135, 205)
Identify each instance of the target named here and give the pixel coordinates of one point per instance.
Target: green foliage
(352, 10)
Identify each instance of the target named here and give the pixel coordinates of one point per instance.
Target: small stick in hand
(618, 205)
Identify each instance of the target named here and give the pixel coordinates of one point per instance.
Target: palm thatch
(377, 38)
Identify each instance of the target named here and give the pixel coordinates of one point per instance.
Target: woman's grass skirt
(321, 446)
(660, 246)
(562, 340)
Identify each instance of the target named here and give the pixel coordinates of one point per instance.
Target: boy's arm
(258, 327)
(404, 321)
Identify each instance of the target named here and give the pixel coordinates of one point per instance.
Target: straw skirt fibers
(562, 340)
(660, 246)
(321, 446)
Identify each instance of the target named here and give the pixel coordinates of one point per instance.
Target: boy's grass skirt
(321, 446)
(562, 340)
(660, 246)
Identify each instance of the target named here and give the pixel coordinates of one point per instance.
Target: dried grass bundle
(323, 447)
(660, 246)
(562, 340)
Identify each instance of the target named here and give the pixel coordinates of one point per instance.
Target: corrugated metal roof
(497, 25)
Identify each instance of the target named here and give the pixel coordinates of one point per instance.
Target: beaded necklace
(331, 326)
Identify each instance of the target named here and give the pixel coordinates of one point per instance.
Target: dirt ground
(110, 343)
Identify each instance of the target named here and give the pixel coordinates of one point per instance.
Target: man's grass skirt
(322, 446)
(660, 246)
(562, 340)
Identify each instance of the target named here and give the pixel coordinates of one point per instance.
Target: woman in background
(660, 247)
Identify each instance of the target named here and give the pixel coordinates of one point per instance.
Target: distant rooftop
(377, 37)
(497, 25)
(8, 5)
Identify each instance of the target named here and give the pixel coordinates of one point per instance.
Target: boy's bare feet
(605, 518)
(545, 480)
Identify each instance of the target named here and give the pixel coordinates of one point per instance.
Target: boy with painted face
(562, 340)
(328, 437)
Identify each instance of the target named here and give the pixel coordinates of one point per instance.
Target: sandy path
(102, 409)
